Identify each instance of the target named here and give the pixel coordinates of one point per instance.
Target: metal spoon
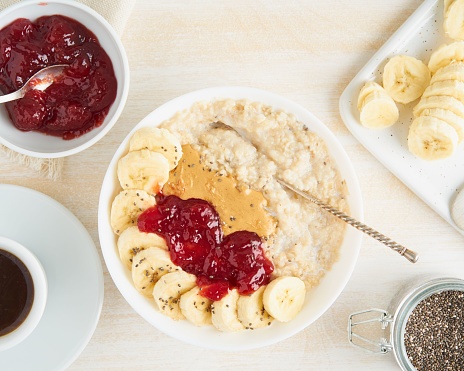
(39, 81)
(408, 254)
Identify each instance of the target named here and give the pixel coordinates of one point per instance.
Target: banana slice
(450, 88)
(131, 241)
(431, 138)
(149, 266)
(143, 169)
(284, 297)
(449, 117)
(453, 22)
(368, 88)
(446, 6)
(439, 101)
(445, 55)
(196, 308)
(224, 313)
(126, 208)
(169, 289)
(378, 111)
(158, 140)
(454, 71)
(251, 312)
(405, 78)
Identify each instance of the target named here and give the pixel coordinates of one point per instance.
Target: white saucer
(74, 274)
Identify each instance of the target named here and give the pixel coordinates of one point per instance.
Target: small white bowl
(46, 146)
(40, 293)
(318, 299)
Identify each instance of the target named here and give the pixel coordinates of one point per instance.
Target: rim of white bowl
(39, 279)
(124, 93)
(343, 269)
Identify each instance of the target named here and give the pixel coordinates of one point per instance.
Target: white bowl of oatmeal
(307, 243)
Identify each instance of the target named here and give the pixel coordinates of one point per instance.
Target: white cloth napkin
(116, 12)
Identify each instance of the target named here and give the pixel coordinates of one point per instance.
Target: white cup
(39, 280)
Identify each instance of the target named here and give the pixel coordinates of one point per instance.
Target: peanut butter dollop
(239, 207)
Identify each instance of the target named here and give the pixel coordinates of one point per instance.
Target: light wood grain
(307, 51)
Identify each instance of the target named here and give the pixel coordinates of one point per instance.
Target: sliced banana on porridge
(126, 208)
(251, 312)
(196, 308)
(224, 313)
(168, 291)
(143, 169)
(149, 266)
(132, 241)
(157, 140)
(284, 297)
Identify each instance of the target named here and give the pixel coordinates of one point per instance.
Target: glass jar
(393, 321)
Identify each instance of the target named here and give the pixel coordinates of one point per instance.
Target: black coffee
(16, 292)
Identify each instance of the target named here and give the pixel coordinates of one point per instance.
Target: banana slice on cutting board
(405, 78)
(284, 297)
(445, 55)
(196, 308)
(149, 266)
(131, 241)
(224, 313)
(449, 117)
(454, 71)
(168, 291)
(378, 110)
(439, 101)
(430, 138)
(251, 312)
(450, 88)
(453, 22)
(143, 169)
(126, 208)
(158, 140)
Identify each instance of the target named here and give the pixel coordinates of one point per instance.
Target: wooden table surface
(307, 51)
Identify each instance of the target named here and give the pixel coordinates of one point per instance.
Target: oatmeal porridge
(306, 240)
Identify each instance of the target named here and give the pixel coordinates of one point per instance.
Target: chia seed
(434, 333)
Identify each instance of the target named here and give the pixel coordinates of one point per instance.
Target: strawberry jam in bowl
(82, 103)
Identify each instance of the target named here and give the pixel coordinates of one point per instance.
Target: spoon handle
(12, 96)
(408, 254)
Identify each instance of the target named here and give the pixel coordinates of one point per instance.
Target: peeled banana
(126, 208)
(378, 110)
(131, 241)
(196, 308)
(148, 266)
(430, 138)
(251, 312)
(284, 297)
(143, 169)
(224, 313)
(450, 88)
(454, 71)
(440, 101)
(168, 290)
(449, 117)
(158, 140)
(405, 78)
(453, 22)
(445, 55)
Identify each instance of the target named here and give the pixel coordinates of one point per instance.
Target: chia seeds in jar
(426, 331)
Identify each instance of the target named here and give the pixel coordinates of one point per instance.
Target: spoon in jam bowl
(408, 254)
(41, 80)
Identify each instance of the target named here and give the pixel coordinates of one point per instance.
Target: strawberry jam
(78, 100)
(192, 230)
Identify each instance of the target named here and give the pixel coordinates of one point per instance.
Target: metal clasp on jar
(361, 322)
